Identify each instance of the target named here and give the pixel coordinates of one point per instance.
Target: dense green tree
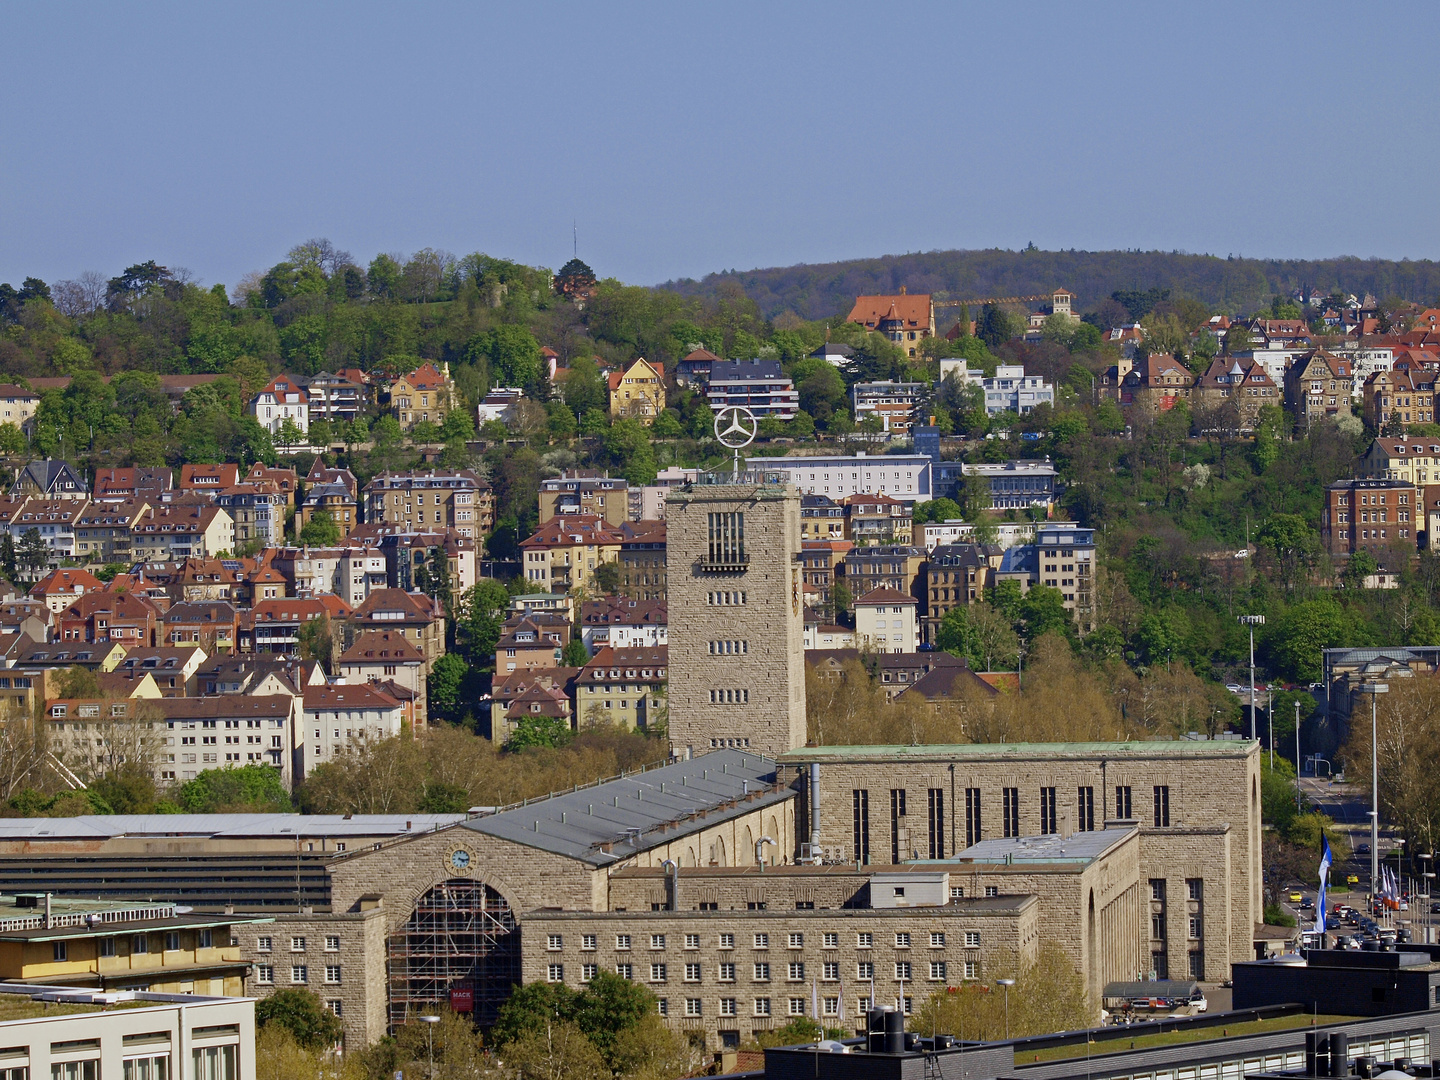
(447, 675)
(302, 1014)
(320, 530)
(247, 788)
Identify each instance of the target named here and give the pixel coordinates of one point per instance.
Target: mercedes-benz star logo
(735, 426)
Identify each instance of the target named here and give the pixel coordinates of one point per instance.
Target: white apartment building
(1365, 362)
(893, 403)
(1011, 390)
(955, 531)
(901, 476)
(350, 572)
(887, 620)
(341, 718)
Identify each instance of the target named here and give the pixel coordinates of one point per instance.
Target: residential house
(647, 503)
(457, 498)
(907, 320)
(894, 404)
(694, 368)
(947, 681)
(418, 617)
(50, 479)
(531, 641)
(1238, 384)
(834, 353)
(130, 484)
(104, 616)
(208, 480)
(383, 657)
(1412, 459)
(103, 532)
(17, 405)
(821, 518)
(425, 396)
(411, 558)
(643, 559)
(1155, 383)
(625, 687)
(286, 480)
(623, 623)
(54, 520)
(876, 519)
(174, 668)
(887, 620)
(213, 625)
(257, 510)
(564, 552)
(335, 398)
(1062, 557)
(1011, 390)
(177, 531)
(1319, 386)
(188, 580)
(585, 492)
(1381, 516)
(260, 675)
(638, 392)
(886, 566)
(500, 405)
(335, 499)
(956, 575)
(536, 699)
(819, 634)
(543, 604)
(229, 731)
(517, 686)
(351, 571)
(822, 563)
(341, 719)
(59, 588)
(279, 400)
(1399, 397)
(758, 385)
(276, 623)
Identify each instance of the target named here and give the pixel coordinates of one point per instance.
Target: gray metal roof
(1077, 847)
(110, 826)
(634, 813)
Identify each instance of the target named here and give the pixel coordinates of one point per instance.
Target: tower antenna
(574, 239)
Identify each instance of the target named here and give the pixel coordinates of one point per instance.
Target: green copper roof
(1135, 748)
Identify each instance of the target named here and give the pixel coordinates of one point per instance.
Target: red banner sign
(462, 999)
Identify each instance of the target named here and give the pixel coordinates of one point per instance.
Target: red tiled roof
(910, 309)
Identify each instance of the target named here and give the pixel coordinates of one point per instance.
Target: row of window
(299, 974)
(730, 697)
(1010, 816)
(139, 943)
(297, 944)
(794, 940)
(729, 648)
(728, 598)
(725, 973)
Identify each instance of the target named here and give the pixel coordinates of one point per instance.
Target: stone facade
(343, 956)
(1207, 825)
(780, 961)
(735, 618)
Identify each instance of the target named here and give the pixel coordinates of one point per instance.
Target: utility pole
(1297, 757)
(1252, 621)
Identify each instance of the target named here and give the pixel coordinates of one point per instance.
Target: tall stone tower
(737, 649)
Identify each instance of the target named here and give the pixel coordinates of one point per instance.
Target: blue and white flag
(1324, 880)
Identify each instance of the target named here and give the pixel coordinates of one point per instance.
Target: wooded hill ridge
(1231, 284)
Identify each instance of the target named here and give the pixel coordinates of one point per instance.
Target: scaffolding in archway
(461, 936)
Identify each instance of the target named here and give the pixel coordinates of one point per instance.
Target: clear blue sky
(687, 138)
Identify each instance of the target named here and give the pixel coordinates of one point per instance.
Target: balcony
(726, 563)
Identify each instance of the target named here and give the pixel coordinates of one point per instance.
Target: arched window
(461, 935)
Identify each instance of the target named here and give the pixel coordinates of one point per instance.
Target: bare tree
(322, 253)
(23, 761)
(81, 296)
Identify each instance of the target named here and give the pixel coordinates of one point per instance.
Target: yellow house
(425, 395)
(565, 551)
(111, 946)
(638, 391)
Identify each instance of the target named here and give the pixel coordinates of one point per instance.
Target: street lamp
(1252, 621)
(430, 1022)
(1006, 983)
(1429, 876)
(1374, 689)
